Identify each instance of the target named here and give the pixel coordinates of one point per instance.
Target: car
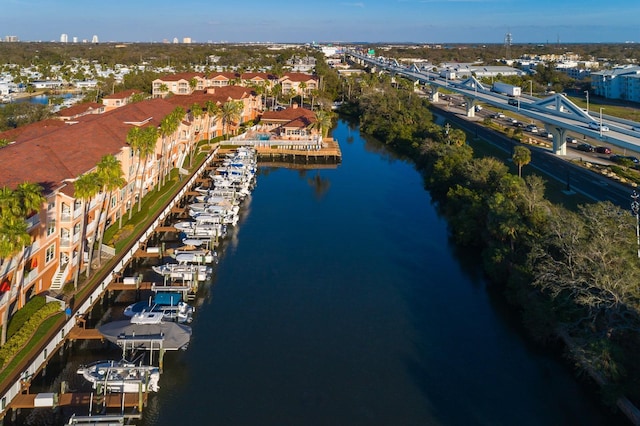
(532, 128)
(513, 102)
(501, 115)
(513, 121)
(596, 126)
(571, 139)
(620, 158)
(518, 124)
(603, 150)
(546, 134)
(585, 147)
(478, 108)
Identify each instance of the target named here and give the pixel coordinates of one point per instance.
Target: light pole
(531, 88)
(635, 208)
(601, 122)
(586, 92)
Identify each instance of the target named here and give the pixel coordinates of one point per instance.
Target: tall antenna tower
(507, 45)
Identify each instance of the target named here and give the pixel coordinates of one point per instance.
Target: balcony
(33, 221)
(65, 217)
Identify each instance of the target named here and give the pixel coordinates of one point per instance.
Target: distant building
(618, 83)
(11, 38)
(64, 38)
(175, 40)
(75, 39)
(186, 40)
(94, 39)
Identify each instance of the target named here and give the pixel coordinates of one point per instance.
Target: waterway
(341, 301)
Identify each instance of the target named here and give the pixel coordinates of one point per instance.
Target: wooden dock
(145, 285)
(81, 333)
(112, 400)
(330, 153)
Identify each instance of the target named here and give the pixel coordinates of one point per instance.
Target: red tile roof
(51, 158)
(79, 109)
(125, 94)
(32, 130)
(289, 114)
(181, 76)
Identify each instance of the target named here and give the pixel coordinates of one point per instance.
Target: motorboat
(194, 256)
(184, 271)
(166, 302)
(168, 335)
(121, 376)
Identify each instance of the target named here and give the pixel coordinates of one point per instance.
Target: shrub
(18, 320)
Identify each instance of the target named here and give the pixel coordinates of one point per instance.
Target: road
(578, 179)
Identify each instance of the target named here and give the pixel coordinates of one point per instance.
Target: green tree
(521, 157)
(111, 177)
(86, 187)
(231, 112)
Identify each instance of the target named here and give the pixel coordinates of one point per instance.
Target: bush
(18, 320)
(15, 344)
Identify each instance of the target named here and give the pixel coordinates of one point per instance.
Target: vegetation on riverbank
(571, 274)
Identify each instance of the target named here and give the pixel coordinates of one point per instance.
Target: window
(50, 254)
(51, 227)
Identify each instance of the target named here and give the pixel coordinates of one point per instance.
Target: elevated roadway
(557, 112)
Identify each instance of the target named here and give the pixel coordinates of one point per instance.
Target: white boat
(170, 304)
(201, 230)
(121, 376)
(194, 256)
(184, 271)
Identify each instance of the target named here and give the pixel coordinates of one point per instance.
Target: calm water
(341, 302)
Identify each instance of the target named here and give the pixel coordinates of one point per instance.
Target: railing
(65, 217)
(33, 221)
(85, 306)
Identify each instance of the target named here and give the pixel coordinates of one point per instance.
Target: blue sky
(422, 21)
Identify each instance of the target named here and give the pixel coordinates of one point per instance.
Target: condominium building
(617, 83)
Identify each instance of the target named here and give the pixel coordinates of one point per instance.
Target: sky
(417, 21)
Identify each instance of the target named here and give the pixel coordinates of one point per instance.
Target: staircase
(58, 279)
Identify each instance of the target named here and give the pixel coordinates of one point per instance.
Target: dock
(83, 399)
(328, 153)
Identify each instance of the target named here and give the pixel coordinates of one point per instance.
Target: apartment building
(617, 83)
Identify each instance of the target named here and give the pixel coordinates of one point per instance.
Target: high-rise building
(94, 39)
(175, 40)
(186, 40)
(64, 38)
(75, 39)
(11, 38)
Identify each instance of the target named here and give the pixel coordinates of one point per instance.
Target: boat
(169, 304)
(121, 376)
(166, 335)
(184, 271)
(194, 256)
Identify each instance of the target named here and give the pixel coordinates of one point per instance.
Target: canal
(341, 301)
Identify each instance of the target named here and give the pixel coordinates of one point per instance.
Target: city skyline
(420, 21)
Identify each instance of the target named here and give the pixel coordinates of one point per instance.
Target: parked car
(585, 147)
(571, 139)
(596, 126)
(603, 150)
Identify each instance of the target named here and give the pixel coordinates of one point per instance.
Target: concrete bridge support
(559, 141)
(471, 106)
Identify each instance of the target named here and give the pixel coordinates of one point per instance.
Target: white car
(596, 126)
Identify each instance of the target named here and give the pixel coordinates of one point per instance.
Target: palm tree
(231, 111)
(196, 112)
(168, 126)
(13, 238)
(303, 88)
(521, 156)
(163, 88)
(323, 122)
(111, 177)
(213, 110)
(86, 187)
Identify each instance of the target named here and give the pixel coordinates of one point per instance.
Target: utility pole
(635, 208)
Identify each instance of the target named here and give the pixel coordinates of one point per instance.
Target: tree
(212, 110)
(111, 177)
(86, 187)
(13, 238)
(323, 122)
(196, 113)
(521, 156)
(231, 112)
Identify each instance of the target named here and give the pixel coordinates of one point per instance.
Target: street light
(635, 208)
(601, 121)
(586, 92)
(531, 88)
